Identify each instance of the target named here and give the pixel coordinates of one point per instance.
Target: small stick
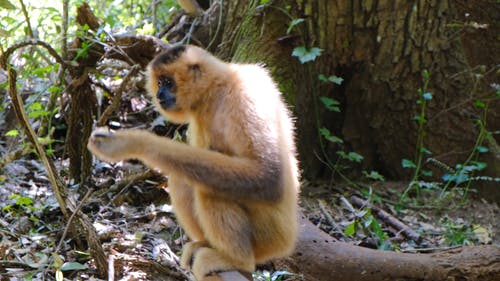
(386, 217)
(111, 267)
(70, 220)
(325, 212)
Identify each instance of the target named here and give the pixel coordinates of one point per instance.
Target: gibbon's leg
(208, 263)
(182, 199)
(229, 232)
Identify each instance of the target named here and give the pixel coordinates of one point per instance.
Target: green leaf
(328, 136)
(12, 133)
(426, 74)
(426, 151)
(356, 157)
(72, 266)
(419, 118)
(292, 24)
(7, 5)
(330, 104)
(333, 79)
(305, 55)
(479, 104)
(24, 201)
(482, 149)
(405, 163)
(350, 229)
(351, 156)
(479, 166)
(427, 173)
(374, 175)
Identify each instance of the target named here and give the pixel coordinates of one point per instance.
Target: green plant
(366, 223)
(21, 206)
(274, 276)
(462, 174)
(458, 234)
(424, 98)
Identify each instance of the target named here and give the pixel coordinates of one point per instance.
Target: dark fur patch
(169, 56)
(196, 71)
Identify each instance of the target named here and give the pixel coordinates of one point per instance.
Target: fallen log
(320, 257)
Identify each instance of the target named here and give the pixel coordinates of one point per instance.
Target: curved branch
(5, 56)
(116, 99)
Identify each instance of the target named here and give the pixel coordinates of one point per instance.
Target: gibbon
(234, 186)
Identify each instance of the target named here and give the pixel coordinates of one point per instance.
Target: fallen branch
(320, 257)
(58, 186)
(387, 218)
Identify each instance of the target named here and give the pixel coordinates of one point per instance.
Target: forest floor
(136, 225)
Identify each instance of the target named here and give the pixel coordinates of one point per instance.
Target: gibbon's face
(173, 82)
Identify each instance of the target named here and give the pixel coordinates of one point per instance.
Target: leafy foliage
(306, 55)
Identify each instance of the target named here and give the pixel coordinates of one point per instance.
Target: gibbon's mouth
(167, 103)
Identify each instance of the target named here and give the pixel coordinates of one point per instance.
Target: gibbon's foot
(209, 264)
(229, 276)
(189, 251)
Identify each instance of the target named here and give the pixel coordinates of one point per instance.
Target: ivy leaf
(328, 136)
(331, 104)
(408, 164)
(374, 175)
(479, 166)
(456, 178)
(334, 79)
(356, 157)
(425, 150)
(427, 173)
(305, 55)
(482, 149)
(427, 96)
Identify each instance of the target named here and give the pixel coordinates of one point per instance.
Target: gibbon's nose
(165, 98)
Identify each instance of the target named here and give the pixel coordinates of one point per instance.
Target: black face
(165, 94)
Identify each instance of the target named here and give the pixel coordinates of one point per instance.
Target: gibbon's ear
(195, 70)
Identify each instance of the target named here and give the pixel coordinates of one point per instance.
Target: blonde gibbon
(234, 186)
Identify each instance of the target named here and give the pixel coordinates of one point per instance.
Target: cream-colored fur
(234, 186)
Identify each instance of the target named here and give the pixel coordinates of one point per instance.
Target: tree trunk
(319, 257)
(380, 49)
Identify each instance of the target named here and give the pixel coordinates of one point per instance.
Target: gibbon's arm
(223, 175)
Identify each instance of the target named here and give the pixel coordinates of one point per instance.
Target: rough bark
(82, 104)
(380, 49)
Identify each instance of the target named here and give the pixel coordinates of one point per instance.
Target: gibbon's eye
(166, 82)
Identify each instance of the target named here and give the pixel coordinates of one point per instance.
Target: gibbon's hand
(114, 146)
